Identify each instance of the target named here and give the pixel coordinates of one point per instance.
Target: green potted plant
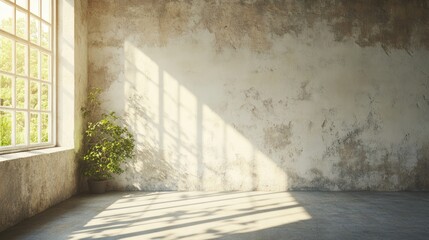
(107, 144)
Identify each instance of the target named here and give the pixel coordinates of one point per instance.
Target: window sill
(33, 153)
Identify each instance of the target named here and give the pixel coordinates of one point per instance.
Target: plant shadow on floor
(232, 215)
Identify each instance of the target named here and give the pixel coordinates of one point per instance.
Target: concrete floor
(232, 215)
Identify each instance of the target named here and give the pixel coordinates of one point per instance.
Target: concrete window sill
(33, 153)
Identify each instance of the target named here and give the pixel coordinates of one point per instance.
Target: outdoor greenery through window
(26, 74)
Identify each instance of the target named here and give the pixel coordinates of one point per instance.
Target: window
(27, 81)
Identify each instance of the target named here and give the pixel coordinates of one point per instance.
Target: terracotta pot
(97, 186)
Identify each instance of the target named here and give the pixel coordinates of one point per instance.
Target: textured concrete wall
(267, 95)
(35, 182)
(81, 77)
(80, 68)
(30, 182)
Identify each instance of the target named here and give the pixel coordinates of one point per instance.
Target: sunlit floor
(232, 215)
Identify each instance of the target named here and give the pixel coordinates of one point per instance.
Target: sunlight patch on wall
(184, 144)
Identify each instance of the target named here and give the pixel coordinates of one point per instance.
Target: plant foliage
(107, 143)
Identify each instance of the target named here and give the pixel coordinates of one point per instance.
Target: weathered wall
(267, 95)
(80, 68)
(33, 181)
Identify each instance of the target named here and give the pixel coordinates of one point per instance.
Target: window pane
(45, 66)
(21, 92)
(34, 128)
(35, 7)
(26, 72)
(21, 59)
(5, 91)
(34, 30)
(5, 128)
(21, 24)
(5, 54)
(45, 127)
(34, 95)
(6, 17)
(44, 98)
(20, 128)
(22, 3)
(46, 10)
(46, 36)
(34, 63)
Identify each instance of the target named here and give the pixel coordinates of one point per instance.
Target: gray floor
(232, 215)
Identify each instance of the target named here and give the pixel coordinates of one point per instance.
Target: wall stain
(354, 164)
(283, 103)
(304, 94)
(316, 181)
(324, 123)
(391, 24)
(268, 104)
(319, 181)
(426, 99)
(278, 136)
(358, 164)
(252, 93)
(249, 107)
(421, 169)
(174, 17)
(359, 170)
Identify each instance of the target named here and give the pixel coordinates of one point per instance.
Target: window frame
(52, 102)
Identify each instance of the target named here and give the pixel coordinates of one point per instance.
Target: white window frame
(53, 79)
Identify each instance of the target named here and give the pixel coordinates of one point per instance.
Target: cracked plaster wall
(267, 95)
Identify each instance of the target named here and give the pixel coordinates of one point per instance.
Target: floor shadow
(63, 219)
(232, 215)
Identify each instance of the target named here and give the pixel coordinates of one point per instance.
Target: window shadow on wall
(182, 141)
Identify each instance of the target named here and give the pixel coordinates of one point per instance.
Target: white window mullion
(28, 120)
(28, 23)
(39, 127)
(50, 136)
(53, 119)
(27, 129)
(13, 128)
(13, 143)
(14, 72)
(39, 83)
(13, 57)
(14, 19)
(20, 40)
